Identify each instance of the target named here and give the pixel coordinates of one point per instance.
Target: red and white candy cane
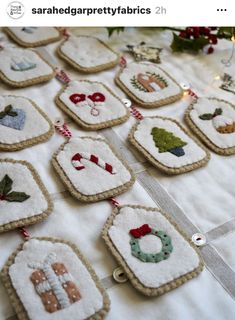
(62, 128)
(76, 162)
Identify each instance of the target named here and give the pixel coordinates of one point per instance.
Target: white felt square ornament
(24, 199)
(49, 279)
(148, 85)
(92, 105)
(155, 254)
(168, 145)
(22, 123)
(23, 67)
(91, 170)
(213, 120)
(33, 36)
(88, 54)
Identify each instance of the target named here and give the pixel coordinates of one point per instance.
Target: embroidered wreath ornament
(142, 231)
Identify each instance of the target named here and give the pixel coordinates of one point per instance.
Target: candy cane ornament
(76, 162)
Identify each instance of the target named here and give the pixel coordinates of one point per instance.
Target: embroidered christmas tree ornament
(154, 252)
(168, 145)
(87, 54)
(23, 67)
(22, 124)
(91, 105)
(49, 279)
(148, 85)
(91, 170)
(24, 199)
(33, 36)
(213, 120)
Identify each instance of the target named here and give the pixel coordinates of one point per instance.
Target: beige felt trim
(85, 125)
(30, 142)
(144, 104)
(222, 151)
(30, 82)
(161, 166)
(97, 197)
(29, 44)
(95, 69)
(131, 276)
(34, 219)
(15, 300)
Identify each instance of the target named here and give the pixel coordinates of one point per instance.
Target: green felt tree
(165, 141)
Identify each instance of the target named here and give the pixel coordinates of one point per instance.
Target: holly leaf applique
(210, 116)
(8, 195)
(5, 185)
(8, 111)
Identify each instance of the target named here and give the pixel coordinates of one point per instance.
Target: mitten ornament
(213, 120)
(92, 105)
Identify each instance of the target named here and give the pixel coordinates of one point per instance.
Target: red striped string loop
(136, 113)
(62, 128)
(24, 233)
(192, 94)
(122, 62)
(66, 33)
(114, 202)
(62, 76)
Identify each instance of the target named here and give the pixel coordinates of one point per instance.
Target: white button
(119, 275)
(59, 122)
(127, 102)
(185, 86)
(199, 239)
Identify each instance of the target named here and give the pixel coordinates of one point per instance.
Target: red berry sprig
(197, 32)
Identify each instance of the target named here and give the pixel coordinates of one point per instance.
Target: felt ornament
(142, 52)
(24, 199)
(154, 252)
(22, 123)
(49, 278)
(228, 83)
(92, 105)
(23, 67)
(33, 36)
(91, 170)
(87, 54)
(148, 85)
(213, 120)
(167, 145)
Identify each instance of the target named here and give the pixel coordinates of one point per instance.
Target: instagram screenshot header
(117, 13)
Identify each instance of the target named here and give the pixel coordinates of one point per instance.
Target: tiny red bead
(210, 50)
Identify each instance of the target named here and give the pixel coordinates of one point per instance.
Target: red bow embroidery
(79, 97)
(141, 231)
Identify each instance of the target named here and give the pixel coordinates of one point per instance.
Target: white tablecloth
(205, 195)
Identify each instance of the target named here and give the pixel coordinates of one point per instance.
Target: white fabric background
(206, 195)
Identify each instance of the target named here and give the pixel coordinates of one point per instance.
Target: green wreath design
(136, 251)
